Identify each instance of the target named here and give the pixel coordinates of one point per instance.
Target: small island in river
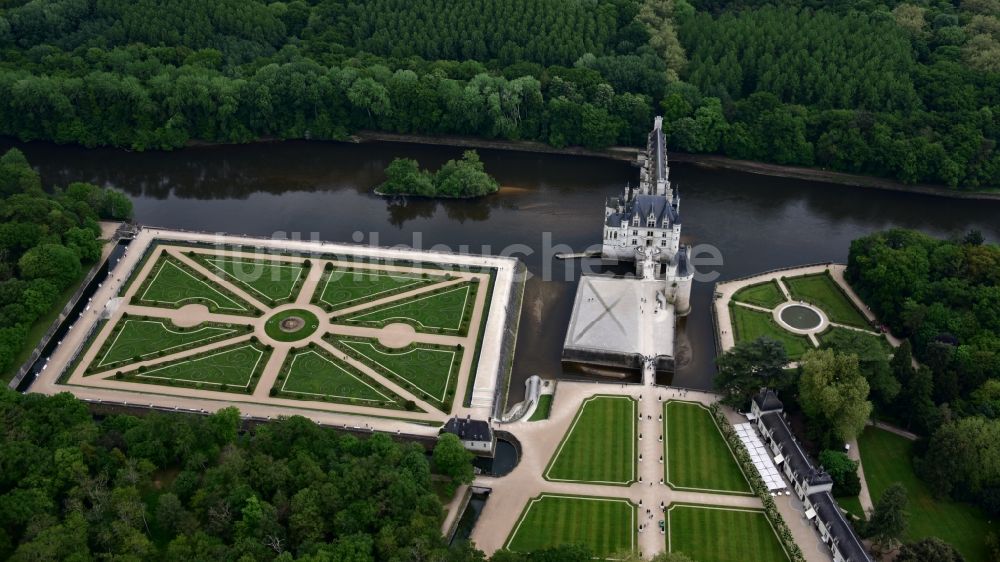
(457, 179)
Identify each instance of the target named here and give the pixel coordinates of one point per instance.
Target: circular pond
(291, 325)
(801, 317)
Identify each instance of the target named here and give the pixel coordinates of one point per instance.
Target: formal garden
(395, 336)
(802, 312)
(697, 455)
(607, 526)
(600, 445)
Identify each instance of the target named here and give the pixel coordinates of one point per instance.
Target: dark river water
(322, 190)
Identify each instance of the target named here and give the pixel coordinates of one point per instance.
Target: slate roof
(468, 429)
(802, 467)
(847, 542)
(682, 263)
(644, 205)
(768, 401)
(659, 146)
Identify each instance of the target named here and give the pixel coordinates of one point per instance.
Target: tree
(887, 520)
(54, 262)
(833, 395)
(963, 457)
(404, 176)
(464, 178)
(748, 366)
(873, 361)
(931, 549)
(844, 472)
(452, 459)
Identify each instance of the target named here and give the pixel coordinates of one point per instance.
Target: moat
(301, 188)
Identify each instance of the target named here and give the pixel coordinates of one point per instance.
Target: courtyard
(387, 335)
(630, 469)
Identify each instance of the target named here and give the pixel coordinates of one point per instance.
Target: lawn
(852, 504)
(271, 281)
(172, 283)
(543, 409)
(135, 339)
(887, 458)
(445, 311)
(721, 534)
(229, 368)
(432, 370)
(272, 327)
(350, 286)
(605, 525)
(821, 290)
(698, 457)
(767, 295)
(599, 445)
(751, 324)
(314, 373)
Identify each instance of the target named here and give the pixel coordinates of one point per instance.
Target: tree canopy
(462, 178)
(46, 241)
(834, 394)
(899, 90)
(748, 366)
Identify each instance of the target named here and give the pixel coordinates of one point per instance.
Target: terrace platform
(619, 324)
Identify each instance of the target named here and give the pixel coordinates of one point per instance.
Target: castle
(644, 225)
(627, 323)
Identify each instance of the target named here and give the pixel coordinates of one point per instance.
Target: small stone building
(476, 435)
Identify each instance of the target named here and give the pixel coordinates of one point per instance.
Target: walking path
(539, 441)
(864, 497)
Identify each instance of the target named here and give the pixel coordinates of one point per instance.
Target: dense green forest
(188, 487)
(944, 296)
(46, 242)
(902, 90)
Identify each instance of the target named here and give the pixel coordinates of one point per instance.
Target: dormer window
(650, 222)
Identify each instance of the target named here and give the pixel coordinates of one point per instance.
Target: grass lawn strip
(173, 284)
(698, 457)
(231, 367)
(749, 324)
(429, 370)
(353, 286)
(722, 534)
(767, 294)
(887, 458)
(543, 408)
(269, 280)
(142, 338)
(599, 445)
(314, 372)
(605, 525)
(821, 290)
(444, 310)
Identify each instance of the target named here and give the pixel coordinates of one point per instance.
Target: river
(322, 190)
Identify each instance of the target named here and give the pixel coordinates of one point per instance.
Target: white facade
(643, 225)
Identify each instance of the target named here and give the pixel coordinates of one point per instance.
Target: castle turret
(680, 285)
